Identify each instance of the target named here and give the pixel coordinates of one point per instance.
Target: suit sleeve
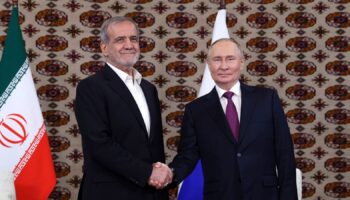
(187, 155)
(93, 122)
(284, 153)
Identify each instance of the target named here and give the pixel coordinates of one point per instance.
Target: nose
(223, 65)
(128, 43)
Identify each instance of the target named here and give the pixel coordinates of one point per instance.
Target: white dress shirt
(236, 98)
(133, 84)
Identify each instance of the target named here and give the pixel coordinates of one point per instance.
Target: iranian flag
(24, 146)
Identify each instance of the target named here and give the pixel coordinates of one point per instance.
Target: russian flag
(192, 186)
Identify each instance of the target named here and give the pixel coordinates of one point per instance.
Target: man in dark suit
(240, 134)
(119, 118)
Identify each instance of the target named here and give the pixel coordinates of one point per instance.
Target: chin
(129, 63)
(225, 81)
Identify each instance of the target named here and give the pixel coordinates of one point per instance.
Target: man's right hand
(161, 175)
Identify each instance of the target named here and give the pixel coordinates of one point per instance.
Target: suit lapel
(120, 88)
(214, 108)
(248, 105)
(152, 110)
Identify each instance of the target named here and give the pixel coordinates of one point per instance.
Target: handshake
(161, 175)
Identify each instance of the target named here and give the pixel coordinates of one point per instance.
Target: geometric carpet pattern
(299, 47)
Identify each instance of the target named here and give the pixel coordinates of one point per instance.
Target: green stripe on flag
(14, 54)
(15, 80)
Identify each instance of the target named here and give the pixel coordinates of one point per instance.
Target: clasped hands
(161, 175)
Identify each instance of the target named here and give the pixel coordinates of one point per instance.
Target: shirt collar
(236, 89)
(124, 76)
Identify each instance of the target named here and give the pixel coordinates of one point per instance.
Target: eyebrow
(124, 37)
(228, 56)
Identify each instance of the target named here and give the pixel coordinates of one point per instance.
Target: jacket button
(239, 154)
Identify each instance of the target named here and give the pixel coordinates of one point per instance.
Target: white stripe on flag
(220, 31)
(193, 184)
(23, 101)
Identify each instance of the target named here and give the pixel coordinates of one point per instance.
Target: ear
(242, 64)
(103, 48)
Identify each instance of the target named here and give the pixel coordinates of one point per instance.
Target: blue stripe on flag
(192, 186)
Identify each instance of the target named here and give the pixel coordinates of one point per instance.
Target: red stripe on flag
(37, 178)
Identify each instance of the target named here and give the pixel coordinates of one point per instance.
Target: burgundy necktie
(231, 115)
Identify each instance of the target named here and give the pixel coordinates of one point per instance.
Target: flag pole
(222, 4)
(219, 31)
(15, 3)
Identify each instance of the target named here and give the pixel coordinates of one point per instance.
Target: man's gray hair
(230, 40)
(114, 20)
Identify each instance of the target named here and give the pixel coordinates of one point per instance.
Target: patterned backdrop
(299, 47)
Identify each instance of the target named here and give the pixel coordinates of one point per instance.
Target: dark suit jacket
(118, 154)
(243, 170)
